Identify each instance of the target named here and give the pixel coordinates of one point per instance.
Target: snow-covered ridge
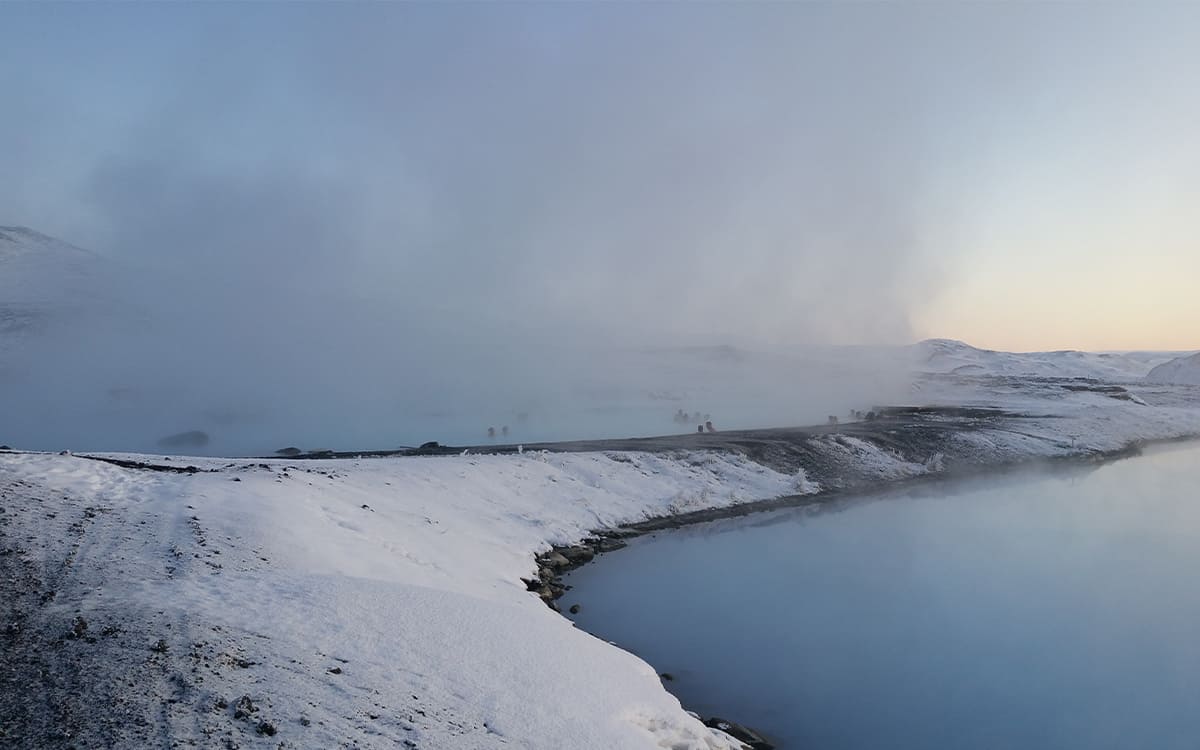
(947, 356)
(44, 281)
(1183, 371)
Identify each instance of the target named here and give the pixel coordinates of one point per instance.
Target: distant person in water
(708, 426)
(491, 432)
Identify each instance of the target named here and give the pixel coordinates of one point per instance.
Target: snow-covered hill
(44, 281)
(946, 356)
(1180, 371)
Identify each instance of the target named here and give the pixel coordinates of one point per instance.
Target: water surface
(1054, 609)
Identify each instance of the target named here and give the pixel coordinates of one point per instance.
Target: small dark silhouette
(432, 444)
(708, 426)
(192, 439)
(700, 429)
(871, 416)
(491, 432)
(504, 430)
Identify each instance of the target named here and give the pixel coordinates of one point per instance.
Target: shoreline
(217, 537)
(553, 564)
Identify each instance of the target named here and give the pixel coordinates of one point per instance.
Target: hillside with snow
(46, 283)
(948, 357)
(1180, 371)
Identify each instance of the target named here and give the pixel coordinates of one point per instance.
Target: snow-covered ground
(379, 602)
(402, 574)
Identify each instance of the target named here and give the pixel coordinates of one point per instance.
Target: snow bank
(402, 574)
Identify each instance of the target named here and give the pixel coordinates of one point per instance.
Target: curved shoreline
(561, 559)
(502, 509)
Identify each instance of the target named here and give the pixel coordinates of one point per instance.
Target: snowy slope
(1184, 371)
(946, 356)
(401, 575)
(43, 279)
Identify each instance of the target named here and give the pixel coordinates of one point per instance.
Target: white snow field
(379, 602)
(404, 574)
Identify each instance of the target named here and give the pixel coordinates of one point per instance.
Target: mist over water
(367, 226)
(1051, 610)
(328, 222)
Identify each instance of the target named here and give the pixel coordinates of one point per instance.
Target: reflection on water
(1051, 610)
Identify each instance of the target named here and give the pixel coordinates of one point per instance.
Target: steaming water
(628, 394)
(1053, 610)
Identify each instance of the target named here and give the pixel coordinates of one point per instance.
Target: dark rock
(244, 707)
(667, 677)
(190, 439)
(221, 704)
(335, 670)
(289, 451)
(5, 448)
(555, 559)
(79, 628)
(578, 555)
(160, 647)
(265, 728)
(431, 445)
(606, 544)
(743, 734)
(574, 609)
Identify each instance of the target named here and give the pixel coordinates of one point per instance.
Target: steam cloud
(481, 210)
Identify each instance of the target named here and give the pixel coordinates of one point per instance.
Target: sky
(1019, 176)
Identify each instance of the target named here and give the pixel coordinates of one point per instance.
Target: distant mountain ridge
(48, 286)
(949, 356)
(41, 273)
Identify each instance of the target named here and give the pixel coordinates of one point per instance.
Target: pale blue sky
(1021, 176)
